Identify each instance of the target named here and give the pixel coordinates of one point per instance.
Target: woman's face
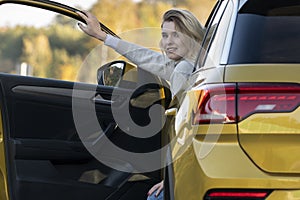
(172, 41)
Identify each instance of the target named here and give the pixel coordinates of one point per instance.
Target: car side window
(211, 29)
(54, 48)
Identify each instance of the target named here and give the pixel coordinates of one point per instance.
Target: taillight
(268, 98)
(229, 103)
(237, 194)
(216, 104)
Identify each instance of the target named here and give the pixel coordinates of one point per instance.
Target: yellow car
(237, 131)
(59, 136)
(72, 130)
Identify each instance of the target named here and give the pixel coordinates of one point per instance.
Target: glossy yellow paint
(239, 155)
(225, 165)
(263, 73)
(272, 141)
(3, 175)
(284, 194)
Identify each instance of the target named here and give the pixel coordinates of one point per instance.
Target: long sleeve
(154, 62)
(145, 58)
(179, 78)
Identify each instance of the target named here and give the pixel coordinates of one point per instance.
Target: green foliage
(66, 37)
(13, 41)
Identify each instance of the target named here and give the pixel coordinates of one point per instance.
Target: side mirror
(111, 73)
(116, 73)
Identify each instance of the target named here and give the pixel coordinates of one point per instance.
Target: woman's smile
(172, 42)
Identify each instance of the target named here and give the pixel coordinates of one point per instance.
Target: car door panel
(45, 153)
(42, 143)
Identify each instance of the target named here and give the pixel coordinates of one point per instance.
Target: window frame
(216, 16)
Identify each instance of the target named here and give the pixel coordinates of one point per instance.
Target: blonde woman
(181, 36)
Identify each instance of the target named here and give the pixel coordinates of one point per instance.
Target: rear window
(267, 31)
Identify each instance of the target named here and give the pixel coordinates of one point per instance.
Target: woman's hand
(157, 188)
(92, 26)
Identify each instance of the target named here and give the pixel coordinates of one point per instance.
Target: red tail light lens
(237, 195)
(255, 98)
(217, 104)
(229, 103)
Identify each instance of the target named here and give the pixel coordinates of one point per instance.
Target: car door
(60, 138)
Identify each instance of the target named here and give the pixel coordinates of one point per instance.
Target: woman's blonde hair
(187, 24)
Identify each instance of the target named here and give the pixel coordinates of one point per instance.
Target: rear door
(60, 138)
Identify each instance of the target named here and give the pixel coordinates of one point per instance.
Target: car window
(55, 48)
(211, 28)
(270, 32)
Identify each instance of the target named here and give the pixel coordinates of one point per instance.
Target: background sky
(83, 3)
(22, 15)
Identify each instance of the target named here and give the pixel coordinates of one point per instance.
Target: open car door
(61, 140)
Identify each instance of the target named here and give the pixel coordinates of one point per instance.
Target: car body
(236, 133)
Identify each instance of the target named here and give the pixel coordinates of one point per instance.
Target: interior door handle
(171, 112)
(100, 100)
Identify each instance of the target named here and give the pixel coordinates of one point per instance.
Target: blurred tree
(64, 66)
(69, 46)
(63, 34)
(119, 15)
(201, 8)
(10, 48)
(37, 53)
(63, 20)
(150, 12)
(126, 15)
(67, 72)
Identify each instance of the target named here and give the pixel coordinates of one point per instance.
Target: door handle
(171, 112)
(100, 100)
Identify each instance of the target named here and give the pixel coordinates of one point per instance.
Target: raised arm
(145, 58)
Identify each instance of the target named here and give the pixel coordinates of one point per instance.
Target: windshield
(267, 32)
